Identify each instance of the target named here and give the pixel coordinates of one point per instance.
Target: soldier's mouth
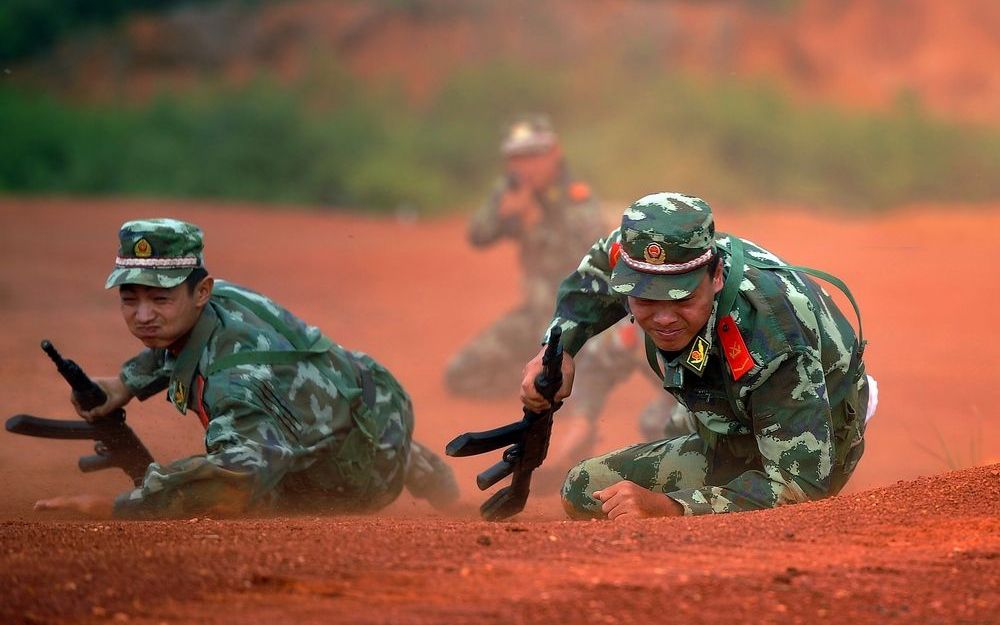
(667, 333)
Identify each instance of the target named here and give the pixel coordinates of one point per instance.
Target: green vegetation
(30, 26)
(332, 140)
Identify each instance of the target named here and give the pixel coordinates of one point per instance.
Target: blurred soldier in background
(554, 219)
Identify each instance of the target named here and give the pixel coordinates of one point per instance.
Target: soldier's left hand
(628, 500)
(93, 506)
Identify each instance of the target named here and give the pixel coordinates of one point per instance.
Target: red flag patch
(737, 355)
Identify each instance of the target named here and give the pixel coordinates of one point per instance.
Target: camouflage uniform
(775, 383)
(490, 365)
(292, 419)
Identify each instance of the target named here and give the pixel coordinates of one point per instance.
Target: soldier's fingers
(612, 502)
(623, 509)
(533, 401)
(609, 491)
(628, 514)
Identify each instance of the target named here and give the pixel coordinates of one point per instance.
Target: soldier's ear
(717, 281)
(203, 292)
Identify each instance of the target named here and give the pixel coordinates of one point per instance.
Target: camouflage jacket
(796, 417)
(548, 250)
(304, 425)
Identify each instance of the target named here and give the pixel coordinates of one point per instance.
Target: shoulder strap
(651, 358)
(301, 352)
(732, 285)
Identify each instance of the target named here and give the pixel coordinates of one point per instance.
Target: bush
(334, 141)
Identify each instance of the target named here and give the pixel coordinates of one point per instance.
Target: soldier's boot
(428, 477)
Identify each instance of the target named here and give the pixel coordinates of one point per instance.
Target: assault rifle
(116, 444)
(529, 440)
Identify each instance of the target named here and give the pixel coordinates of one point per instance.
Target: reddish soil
(925, 550)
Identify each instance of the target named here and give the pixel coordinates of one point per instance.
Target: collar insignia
(697, 358)
(180, 396)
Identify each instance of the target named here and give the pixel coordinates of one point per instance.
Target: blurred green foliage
(333, 140)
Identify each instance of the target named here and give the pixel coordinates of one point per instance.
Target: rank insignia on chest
(737, 355)
(698, 356)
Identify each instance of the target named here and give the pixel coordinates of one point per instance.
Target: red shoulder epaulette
(737, 355)
(578, 191)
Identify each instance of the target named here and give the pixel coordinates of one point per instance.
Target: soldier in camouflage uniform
(757, 352)
(293, 421)
(552, 218)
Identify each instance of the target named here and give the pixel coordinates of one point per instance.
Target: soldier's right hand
(520, 206)
(530, 396)
(118, 395)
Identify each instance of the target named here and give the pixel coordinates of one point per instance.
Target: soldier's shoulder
(579, 192)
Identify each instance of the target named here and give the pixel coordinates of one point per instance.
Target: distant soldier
(553, 218)
(293, 421)
(761, 357)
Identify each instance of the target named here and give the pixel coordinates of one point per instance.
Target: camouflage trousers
(669, 465)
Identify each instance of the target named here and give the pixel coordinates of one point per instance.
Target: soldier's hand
(93, 506)
(530, 396)
(521, 206)
(628, 500)
(118, 395)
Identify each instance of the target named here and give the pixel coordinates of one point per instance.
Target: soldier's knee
(578, 492)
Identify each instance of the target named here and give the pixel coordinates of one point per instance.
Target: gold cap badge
(142, 249)
(654, 254)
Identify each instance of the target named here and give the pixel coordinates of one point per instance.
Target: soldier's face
(163, 318)
(672, 324)
(536, 171)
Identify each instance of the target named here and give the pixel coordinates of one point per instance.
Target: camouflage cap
(156, 252)
(666, 241)
(529, 134)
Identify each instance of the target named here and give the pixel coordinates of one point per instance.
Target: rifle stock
(528, 440)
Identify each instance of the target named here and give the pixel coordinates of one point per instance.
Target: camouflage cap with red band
(667, 240)
(156, 252)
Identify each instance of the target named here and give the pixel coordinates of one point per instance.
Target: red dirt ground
(921, 551)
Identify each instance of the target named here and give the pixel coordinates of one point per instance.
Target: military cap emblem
(654, 254)
(142, 249)
(697, 358)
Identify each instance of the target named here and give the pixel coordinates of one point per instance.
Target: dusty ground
(923, 551)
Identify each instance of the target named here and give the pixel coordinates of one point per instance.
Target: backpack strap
(738, 260)
(301, 352)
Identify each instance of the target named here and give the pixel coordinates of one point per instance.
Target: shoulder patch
(737, 355)
(579, 191)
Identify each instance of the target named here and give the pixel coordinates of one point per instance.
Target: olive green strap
(225, 291)
(738, 260)
(286, 357)
(651, 358)
(731, 288)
